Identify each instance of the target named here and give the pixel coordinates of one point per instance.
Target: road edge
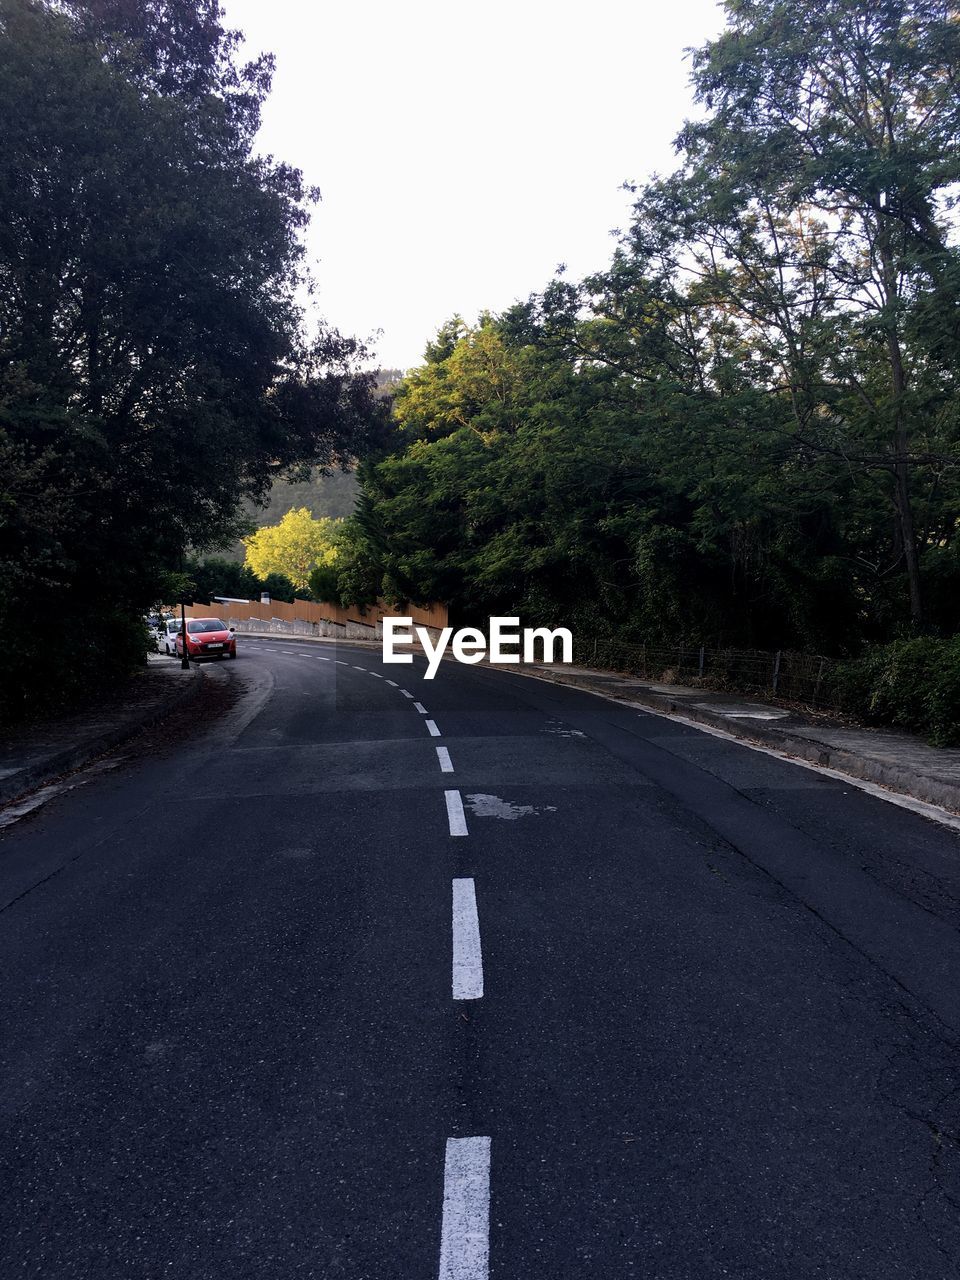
(898, 779)
(55, 766)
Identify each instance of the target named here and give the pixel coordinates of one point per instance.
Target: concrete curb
(50, 768)
(902, 779)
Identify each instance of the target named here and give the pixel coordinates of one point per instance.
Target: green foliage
(154, 369)
(279, 587)
(76, 653)
(294, 547)
(215, 576)
(524, 479)
(909, 684)
(362, 556)
(812, 219)
(324, 583)
(745, 431)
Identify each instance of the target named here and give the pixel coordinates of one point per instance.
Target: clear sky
(464, 150)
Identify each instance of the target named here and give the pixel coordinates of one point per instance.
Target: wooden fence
(316, 618)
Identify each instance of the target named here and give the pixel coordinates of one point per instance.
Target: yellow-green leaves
(294, 547)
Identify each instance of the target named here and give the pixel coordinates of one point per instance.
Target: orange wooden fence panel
(431, 615)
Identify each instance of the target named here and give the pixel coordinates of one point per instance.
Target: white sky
(464, 150)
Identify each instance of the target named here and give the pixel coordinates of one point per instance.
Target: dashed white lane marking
(465, 1233)
(341, 663)
(455, 815)
(432, 728)
(375, 673)
(421, 708)
(467, 956)
(406, 693)
(356, 668)
(393, 684)
(446, 764)
(321, 659)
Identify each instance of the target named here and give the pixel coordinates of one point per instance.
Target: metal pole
(776, 671)
(184, 660)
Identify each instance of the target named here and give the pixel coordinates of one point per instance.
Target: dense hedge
(909, 684)
(80, 653)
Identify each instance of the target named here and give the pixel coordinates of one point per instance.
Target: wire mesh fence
(794, 677)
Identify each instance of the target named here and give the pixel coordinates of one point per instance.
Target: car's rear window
(195, 625)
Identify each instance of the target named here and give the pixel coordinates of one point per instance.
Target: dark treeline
(154, 365)
(744, 431)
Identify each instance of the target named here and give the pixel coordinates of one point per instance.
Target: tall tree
(294, 547)
(154, 362)
(812, 216)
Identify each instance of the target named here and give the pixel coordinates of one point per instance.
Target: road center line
(446, 764)
(465, 1233)
(375, 673)
(455, 815)
(421, 708)
(467, 956)
(432, 728)
(356, 668)
(406, 693)
(341, 663)
(393, 683)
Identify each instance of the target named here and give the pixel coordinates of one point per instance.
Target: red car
(208, 638)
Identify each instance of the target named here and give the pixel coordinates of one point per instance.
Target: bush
(75, 656)
(217, 577)
(909, 684)
(325, 584)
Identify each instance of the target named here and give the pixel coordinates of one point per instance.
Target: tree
(294, 547)
(214, 576)
(813, 212)
(324, 583)
(154, 366)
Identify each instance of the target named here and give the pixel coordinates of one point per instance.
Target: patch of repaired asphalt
(486, 806)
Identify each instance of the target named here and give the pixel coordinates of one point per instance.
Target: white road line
(467, 956)
(465, 1233)
(432, 728)
(406, 693)
(393, 683)
(455, 815)
(446, 764)
(375, 673)
(341, 663)
(321, 659)
(421, 708)
(356, 668)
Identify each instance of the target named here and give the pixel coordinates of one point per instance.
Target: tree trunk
(904, 508)
(901, 443)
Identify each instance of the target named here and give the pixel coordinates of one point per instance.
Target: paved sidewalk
(898, 761)
(38, 754)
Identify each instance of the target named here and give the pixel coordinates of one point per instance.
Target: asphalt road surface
(468, 977)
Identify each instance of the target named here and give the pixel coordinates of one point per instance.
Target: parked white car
(168, 636)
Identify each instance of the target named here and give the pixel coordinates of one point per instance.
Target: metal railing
(794, 677)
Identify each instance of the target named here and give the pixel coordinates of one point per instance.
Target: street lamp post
(184, 660)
